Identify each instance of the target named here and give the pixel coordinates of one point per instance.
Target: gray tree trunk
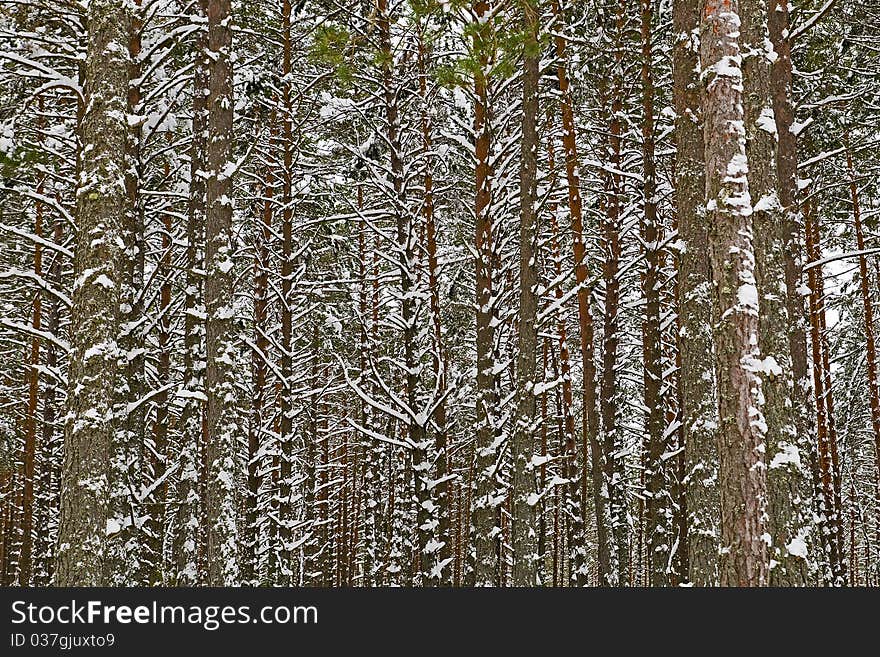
(698, 396)
(785, 477)
(659, 507)
(743, 476)
(94, 324)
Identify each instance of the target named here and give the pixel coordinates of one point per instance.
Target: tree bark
(870, 350)
(590, 440)
(793, 258)
(159, 454)
(94, 325)
(785, 479)
(129, 466)
(610, 228)
(263, 237)
(50, 469)
(523, 535)
(744, 560)
(484, 509)
(285, 491)
(441, 490)
(659, 503)
(188, 541)
(832, 550)
(698, 394)
(222, 504)
(25, 556)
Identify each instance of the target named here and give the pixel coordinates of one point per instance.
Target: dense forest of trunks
(420, 293)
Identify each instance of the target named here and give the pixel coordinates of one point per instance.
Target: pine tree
(222, 418)
(89, 442)
(742, 467)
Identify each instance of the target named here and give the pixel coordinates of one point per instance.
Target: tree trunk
(96, 293)
(159, 453)
(610, 228)
(222, 504)
(698, 395)
(793, 258)
(442, 489)
(824, 475)
(484, 509)
(25, 557)
(659, 503)
(285, 491)
(189, 539)
(523, 535)
(568, 451)
(743, 480)
(870, 350)
(262, 237)
(129, 557)
(405, 250)
(785, 481)
(44, 565)
(590, 439)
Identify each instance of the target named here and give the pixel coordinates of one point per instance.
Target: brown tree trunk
(314, 545)
(590, 440)
(523, 535)
(793, 257)
(285, 491)
(50, 475)
(568, 449)
(871, 344)
(484, 510)
(831, 547)
(159, 456)
(222, 504)
(405, 249)
(610, 227)
(188, 544)
(658, 505)
(258, 359)
(785, 479)
(130, 463)
(25, 557)
(441, 491)
(674, 412)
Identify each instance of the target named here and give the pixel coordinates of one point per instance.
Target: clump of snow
(768, 202)
(797, 127)
(678, 245)
(767, 122)
(738, 166)
(7, 139)
(797, 547)
(334, 108)
(787, 454)
(747, 295)
(537, 461)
